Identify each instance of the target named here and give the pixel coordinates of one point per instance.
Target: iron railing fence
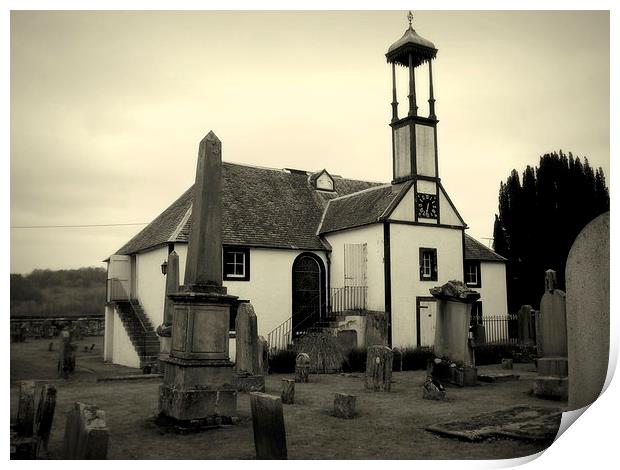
(348, 298)
(498, 329)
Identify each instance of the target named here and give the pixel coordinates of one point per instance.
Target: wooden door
(426, 316)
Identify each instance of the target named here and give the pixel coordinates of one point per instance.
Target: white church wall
(492, 288)
(405, 241)
(372, 235)
(123, 352)
(405, 208)
(151, 283)
(447, 215)
(269, 288)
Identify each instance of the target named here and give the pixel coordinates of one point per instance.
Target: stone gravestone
(247, 374)
(25, 409)
(376, 331)
(44, 418)
(344, 405)
(433, 390)
(288, 391)
(164, 331)
(379, 368)
(263, 356)
(66, 358)
(552, 381)
(198, 387)
(86, 434)
(452, 341)
(268, 426)
(347, 340)
(539, 333)
(302, 368)
(587, 312)
(525, 325)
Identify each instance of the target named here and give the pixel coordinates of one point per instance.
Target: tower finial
(410, 17)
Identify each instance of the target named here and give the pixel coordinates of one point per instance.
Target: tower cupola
(414, 137)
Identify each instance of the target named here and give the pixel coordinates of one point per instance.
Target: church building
(309, 248)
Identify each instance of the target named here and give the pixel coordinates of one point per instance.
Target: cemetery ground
(387, 426)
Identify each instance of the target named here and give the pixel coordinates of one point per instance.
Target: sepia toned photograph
(306, 235)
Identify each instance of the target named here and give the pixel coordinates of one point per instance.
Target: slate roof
(260, 207)
(364, 207)
(281, 209)
(474, 250)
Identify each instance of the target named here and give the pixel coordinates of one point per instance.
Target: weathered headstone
(247, 377)
(198, 375)
(268, 426)
(288, 391)
(44, 417)
(376, 331)
(552, 381)
(86, 434)
(25, 409)
(452, 341)
(587, 311)
(379, 368)
(344, 405)
(539, 333)
(433, 390)
(302, 368)
(164, 331)
(525, 325)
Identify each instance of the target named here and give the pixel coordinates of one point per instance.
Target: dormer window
(322, 181)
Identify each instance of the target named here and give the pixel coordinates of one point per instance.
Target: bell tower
(414, 137)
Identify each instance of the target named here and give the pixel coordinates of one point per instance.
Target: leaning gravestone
(587, 311)
(263, 356)
(302, 368)
(44, 418)
(268, 426)
(247, 377)
(86, 434)
(552, 381)
(379, 368)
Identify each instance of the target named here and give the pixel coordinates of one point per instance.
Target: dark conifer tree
(540, 218)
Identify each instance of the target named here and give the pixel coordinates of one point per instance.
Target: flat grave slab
(528, 423)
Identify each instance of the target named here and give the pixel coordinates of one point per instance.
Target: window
(472, 273)
(236, 264)
(428, 264)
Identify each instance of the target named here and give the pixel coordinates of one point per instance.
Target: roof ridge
(247, 165)
(374, 188)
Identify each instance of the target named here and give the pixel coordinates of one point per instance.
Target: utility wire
(77, 226)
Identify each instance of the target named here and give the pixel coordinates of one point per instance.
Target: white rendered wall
(492, 288)
(405, 242)
(447, 215)
(108, 333)
(151, 283)
(269, 288)
(372, 235)
(123, 352)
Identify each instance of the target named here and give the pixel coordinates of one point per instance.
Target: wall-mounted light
(164, 267)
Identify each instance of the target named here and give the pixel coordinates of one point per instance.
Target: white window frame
(472, 272)
(235, 263)
(427, 264)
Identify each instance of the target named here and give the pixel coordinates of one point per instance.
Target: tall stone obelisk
(198, 374)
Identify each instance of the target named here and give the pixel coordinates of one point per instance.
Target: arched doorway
(308, 292)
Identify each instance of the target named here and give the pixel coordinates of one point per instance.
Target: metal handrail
(348, 298)
(279, 334)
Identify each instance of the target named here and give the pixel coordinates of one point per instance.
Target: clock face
(426, 206)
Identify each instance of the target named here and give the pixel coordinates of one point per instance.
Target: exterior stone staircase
(140, 331)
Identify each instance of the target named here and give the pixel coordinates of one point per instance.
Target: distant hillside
(67, 292)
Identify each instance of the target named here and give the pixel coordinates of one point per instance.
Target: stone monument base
(249, 383)
(198, 390)
(555, 366)
(464, 376)
(555, 388)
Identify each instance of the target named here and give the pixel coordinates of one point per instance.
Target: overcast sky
(107, 108)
